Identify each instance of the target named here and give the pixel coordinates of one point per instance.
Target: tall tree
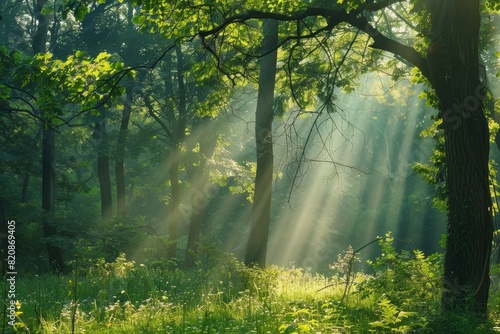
(450, 64)
(174, 218)
(264, 115)
(171, 116)
(453, 61)
(52, 93)
(121, 201)
(48, 149)
(445, 52)
(205, 137)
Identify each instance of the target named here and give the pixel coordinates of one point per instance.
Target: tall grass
(226, 297)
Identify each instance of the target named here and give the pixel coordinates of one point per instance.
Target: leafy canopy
(57, 87)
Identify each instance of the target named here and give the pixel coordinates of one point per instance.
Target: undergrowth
(223, 296)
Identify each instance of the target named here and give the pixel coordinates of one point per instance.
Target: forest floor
(221, 295)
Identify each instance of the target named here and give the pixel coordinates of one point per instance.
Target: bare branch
(309, 135)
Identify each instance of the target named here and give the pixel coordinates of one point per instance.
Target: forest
(215, 166)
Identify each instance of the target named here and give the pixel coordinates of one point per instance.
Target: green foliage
(223, 295)
(492, 6)
(117, 295)
(351, 4)
(395, 320)
(402, 276)
(74, 85)
(409, 282)
(434, 172)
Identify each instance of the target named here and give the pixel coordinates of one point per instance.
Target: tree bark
(261, 211)
(48, 198)
(41, 33)
(454, 70)
(121, 201)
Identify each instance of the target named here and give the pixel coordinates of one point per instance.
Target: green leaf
(80, 12)
(47, 10)
(139, 20)
(4, 92)
(17, 56)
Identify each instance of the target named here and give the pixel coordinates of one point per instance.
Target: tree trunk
(201, 191)
(121, 202)
(48, 152)
(175, 198)
(454, 68)
(174, 205)
(103, 171)
(199, 202)
(48, 198)
(24, 191)
(261, 212)
(41, 33)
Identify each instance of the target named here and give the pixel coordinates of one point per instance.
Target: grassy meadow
(223, 296)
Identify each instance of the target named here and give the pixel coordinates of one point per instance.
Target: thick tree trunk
(453, 63)
(48, 198)
(121, 202)
(103, 171)
(261, 212)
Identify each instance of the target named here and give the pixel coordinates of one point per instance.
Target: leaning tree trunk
(454, 67)
(261, 212)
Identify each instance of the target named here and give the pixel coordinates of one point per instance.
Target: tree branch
(334, 17)
(158, 119)
(373, 7)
